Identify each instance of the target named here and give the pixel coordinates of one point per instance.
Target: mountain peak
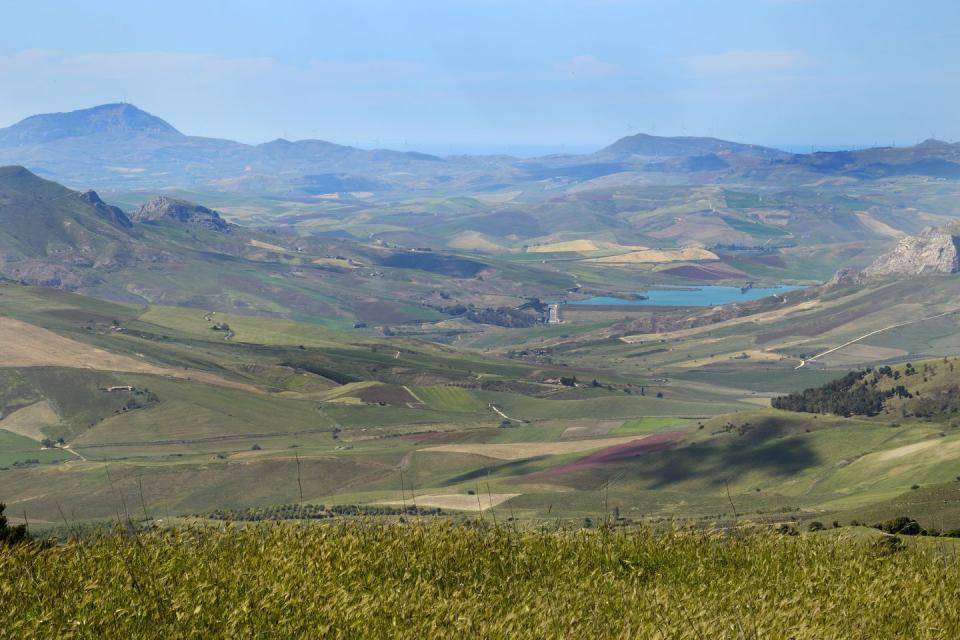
(933, 142)
(118, 119)
(644, 144)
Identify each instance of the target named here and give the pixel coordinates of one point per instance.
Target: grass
(647, 425)
(449, 399)
(352, 580)
(16, 448)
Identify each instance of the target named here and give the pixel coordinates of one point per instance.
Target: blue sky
(492, 74)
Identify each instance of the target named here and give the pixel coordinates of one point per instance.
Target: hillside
(50, 235)
(215, 413)
(926, 389)
(57, 237)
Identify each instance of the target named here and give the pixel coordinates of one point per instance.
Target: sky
(491, 75)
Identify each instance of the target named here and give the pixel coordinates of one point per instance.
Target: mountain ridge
(120, 146)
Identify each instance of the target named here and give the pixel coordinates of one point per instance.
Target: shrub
(11, 535)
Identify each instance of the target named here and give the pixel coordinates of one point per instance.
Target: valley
(588, 334)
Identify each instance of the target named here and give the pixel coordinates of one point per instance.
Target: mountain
(49, 233)
(163, 208)
(121, 145)
(933, 158)
(643, 144)
(114, 120)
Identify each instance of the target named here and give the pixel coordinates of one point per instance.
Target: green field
(647, 425)
(16, 449)
(352, 417)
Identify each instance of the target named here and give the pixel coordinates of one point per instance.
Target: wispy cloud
(745, 61)
(586, 67)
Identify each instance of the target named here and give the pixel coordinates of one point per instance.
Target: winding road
(873, 333)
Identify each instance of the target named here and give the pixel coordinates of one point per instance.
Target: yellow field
(755, 355)
(458, 501)
(266, 245)
(469, 240)
(878, 227)
(657, 256)
(521, 450)
(569, 245)
(30, 421)
(335, 262)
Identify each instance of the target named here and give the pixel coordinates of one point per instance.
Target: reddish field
(703, 272)
(393, 395)
(617, 453)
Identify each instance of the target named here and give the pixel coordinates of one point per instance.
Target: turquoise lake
(691, 296)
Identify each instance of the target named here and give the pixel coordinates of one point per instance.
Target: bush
(902, 525)
(11, 535)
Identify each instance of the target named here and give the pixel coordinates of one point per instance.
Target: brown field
(27, 345)
(859, 352)
(705, 272)
(757, 318)
(522, 450)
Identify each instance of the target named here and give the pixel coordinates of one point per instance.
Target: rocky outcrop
(932, 251)
(163, 208)
(108, 212)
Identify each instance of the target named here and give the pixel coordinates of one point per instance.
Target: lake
(691, 296)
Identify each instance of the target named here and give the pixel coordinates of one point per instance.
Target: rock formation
(163, 208)
(108, 212)
(932, 251)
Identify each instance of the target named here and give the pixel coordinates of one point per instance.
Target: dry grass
(458, 501)
(30, 421)
(878, 227)
(374, 579)
(470, 240)
(574, 246)
(259, 244)
(658, 256)
(26, 345)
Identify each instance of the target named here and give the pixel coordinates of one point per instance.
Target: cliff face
(932, 251)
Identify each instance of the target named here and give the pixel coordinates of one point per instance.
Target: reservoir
(690, 296)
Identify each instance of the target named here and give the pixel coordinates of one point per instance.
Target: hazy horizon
(551, 75)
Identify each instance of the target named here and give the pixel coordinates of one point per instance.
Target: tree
(9, 535)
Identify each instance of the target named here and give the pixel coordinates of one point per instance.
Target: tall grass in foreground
(440, 580)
